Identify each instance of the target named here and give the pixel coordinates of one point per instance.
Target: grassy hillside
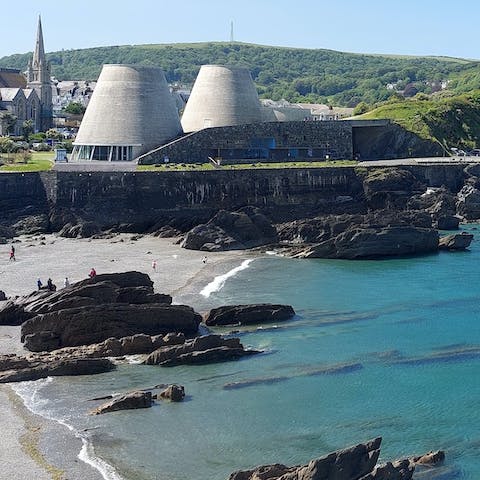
(298, 75)
(452, 121)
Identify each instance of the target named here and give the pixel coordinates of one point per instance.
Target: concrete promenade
(421, 161)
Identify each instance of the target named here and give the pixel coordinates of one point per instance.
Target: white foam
(218, 282)
(28, 392)
(87, 455)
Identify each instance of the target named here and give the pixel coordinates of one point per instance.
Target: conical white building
(131, 112)
(222, 96)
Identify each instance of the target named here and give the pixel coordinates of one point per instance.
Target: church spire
(38, 78)
(39, 53)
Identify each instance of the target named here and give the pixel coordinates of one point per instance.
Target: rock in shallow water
(249, 314)
(457, 241)
(128, 401)
(201, 350)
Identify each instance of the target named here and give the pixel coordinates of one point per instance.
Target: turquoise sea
(385, 348)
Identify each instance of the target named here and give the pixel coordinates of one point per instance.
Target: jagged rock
(248, 314)
(399, 470)
(448, 222)
(13, 313)
(125, 287)
(40, 365)
(201, 350)
(174, 393)
(374, 242)
(128, 401)
(246, 228)
(6, 232)
(42, 341)
(3, 297)
(94, 324)
(142, 294)
(349, 464)
(22, 370)
(377, 234)
(430, 458)
(468, 202)
(440, 204)
(390, 187)
(80, 230)
(31, 223)
(457, 241)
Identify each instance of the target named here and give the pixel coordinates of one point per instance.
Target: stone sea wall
(144, 198)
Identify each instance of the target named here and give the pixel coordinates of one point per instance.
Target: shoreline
(45, 448)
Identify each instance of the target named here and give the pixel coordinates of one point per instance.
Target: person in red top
(92, 273)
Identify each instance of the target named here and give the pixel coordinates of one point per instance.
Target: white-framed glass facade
(108, 153)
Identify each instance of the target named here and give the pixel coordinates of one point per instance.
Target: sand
(30, 446)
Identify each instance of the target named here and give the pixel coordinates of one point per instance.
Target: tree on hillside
(361, 108)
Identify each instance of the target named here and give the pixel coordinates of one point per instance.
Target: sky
(406, 27)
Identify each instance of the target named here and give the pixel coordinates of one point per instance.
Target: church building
(27, 98)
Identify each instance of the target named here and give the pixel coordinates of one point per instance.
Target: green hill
(452, 121)
(298, 75)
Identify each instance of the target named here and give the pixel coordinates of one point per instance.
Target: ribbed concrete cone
(131, 105)
(221, 96)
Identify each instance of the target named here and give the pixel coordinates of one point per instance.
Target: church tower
(38, 78)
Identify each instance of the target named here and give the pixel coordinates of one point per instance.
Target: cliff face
(144, 196)
(139, 200)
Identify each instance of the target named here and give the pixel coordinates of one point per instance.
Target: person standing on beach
(154, 265)
(66, 282)
(12, 253)
(39, 284)
(204, 259)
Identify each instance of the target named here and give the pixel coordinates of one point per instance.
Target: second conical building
(222, 96)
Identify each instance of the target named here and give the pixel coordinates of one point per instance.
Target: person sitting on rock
(50, 285)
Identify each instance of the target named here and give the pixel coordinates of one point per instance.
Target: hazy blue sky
(411, 27)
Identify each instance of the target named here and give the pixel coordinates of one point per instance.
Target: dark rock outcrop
(174, 393)
(83, 229)
(201, 350)
(3, 297)
(128, 401)
(378, 234)
(430, 458)
(349, 464)
(248, 314)
(125, 287)
(399, 470)
(96, 323)
(93, 310)
(440, 204)
(468, 202)
(18, 369)
(246, 228)
(354, 463)
(390, 187)
(458, 241)
(32, 366)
